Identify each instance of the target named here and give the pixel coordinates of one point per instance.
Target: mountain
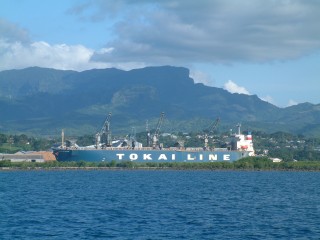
(43, 101)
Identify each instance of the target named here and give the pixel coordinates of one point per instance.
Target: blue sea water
(126, 204)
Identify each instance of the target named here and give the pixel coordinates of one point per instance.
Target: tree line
(15, 143)
(246, 164)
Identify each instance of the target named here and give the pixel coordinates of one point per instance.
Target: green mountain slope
(42, 101)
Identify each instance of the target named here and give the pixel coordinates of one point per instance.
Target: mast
(155, 136)
(62, 138)
(148, 134)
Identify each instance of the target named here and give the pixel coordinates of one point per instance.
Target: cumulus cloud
(268, 99)
(201, 77)
(157, 32)
(291, 103)
(232, 87)
(214, 31)
(59, 56)
(18, 51)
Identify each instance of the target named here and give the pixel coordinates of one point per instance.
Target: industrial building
(28, 156)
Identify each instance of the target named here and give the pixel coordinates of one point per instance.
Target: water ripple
(159, 205)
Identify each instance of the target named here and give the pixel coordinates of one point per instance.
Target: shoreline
(246, 164)
(11, 169)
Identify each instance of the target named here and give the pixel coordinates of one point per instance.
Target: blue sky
(263, 47)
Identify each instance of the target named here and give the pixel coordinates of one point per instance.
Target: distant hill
(43, 101)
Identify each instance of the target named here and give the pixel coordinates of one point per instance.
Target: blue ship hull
(108, 155)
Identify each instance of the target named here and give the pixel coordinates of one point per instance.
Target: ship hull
(108, 155)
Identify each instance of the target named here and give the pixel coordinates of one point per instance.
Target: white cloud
(60, 56)
(18, 51)
(268, 99)
(202, 31)
(201, 77)
(232, 87)
(207, 31)
(104, 50)
(292, 103)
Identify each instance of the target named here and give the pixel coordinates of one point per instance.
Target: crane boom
(214, 125)
(106, 124)
(210, 129)
(157, 131)
(104, 135)
(160, 121)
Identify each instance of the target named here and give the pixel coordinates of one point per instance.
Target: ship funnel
(239, 126)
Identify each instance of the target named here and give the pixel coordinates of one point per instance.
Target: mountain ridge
(43, 100)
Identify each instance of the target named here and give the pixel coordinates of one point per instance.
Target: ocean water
(99, 204)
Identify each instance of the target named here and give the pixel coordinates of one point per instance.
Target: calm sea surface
(159, 205)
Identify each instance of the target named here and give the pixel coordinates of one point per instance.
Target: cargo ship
(106, 150)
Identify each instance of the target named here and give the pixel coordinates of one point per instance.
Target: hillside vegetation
(42, 101)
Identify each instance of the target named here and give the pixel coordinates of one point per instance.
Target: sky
(270, 48)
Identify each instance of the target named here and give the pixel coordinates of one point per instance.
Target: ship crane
(155, 135)
(148, 134)
(104, 135)
(132, 137)
(211, 128)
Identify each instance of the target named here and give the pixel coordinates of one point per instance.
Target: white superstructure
(241, 142)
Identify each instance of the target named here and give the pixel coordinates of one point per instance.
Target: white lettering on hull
(120, 155)
(162, 157)
(147, 156)
(133, 157)
(165, 157)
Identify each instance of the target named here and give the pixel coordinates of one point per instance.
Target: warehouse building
(28, 156)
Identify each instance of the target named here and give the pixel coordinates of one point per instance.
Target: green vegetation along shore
(250, 164)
